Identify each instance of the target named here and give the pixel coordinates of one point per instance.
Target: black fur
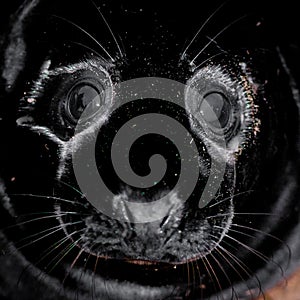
(242, 243)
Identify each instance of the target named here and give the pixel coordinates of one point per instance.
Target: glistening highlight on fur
(231, 73)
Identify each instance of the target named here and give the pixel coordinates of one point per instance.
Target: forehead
(154, 34)
(160, 26)
(149, 32)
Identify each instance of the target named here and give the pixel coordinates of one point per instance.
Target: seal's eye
(79, 97)
(215, 109)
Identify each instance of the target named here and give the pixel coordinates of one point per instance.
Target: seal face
(218, 119)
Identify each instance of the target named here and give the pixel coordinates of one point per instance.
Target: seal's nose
(144, 240)
(163, 208)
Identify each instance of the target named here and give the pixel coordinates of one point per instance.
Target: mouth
(136, 279)
(105, 287)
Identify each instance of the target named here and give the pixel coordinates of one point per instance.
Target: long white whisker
(215, 275)
(206, 60)
(88, 48)
(237, 261)
(88, 34)
(201, 28)
(241, 265)
(72, 265)
(215, 37)
(109, 28)
(32, 242)
(84, 269)
(93, 288)
(223, 271)
(47, 252)
(51, 213)
(69, 185)
(200, 279)
(46, 197)
(57, 245)
(266, 234)
(209, 274)
(38, 219)
(37, 234)
(64, 253)
(262, 256)
(231, 197)
(242, 214)
(217, 45)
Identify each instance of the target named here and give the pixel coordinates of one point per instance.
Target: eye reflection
(216, 109)
(80, 97)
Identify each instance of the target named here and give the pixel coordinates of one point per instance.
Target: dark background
(284, 15)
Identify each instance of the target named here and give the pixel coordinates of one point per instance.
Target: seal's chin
(132, 280)
(116, 288)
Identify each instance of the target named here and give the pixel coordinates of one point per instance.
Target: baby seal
(238, 107)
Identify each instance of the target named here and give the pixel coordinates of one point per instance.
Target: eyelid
(92, 65)
(46, 74)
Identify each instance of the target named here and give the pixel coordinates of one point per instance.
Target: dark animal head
(222, 112)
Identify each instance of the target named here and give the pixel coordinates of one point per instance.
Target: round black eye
(216, 110)
(80, 97)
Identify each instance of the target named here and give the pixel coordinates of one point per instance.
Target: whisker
(69, 186)
(223, 271)
(251, 236)
(235, 270)
(257, 214)
(243, 214)
(188, 273)
(259, 254)
(193, 273)
(59, 243)
(243, 267)
(219, 248)
(259, 231)
(109, 28)
(72, 265)
(84, 269)
(64, 253)
(215, 276)
(237, 260)
(231, 197)
(269, 235)
(200, 279)
(32, 242)
(206, 60)
(47, 252)
(241, 264)
(47, 198)
(123, 46)
(201, 28)
(254, 251)
(209, 274)
(217, 45)
(36, 219)
(93, 288)
(87, 34)
(215, 37)
(38, 233)
(50, 213)
(88, 48)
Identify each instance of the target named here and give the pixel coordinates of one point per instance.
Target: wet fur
(262, 235)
